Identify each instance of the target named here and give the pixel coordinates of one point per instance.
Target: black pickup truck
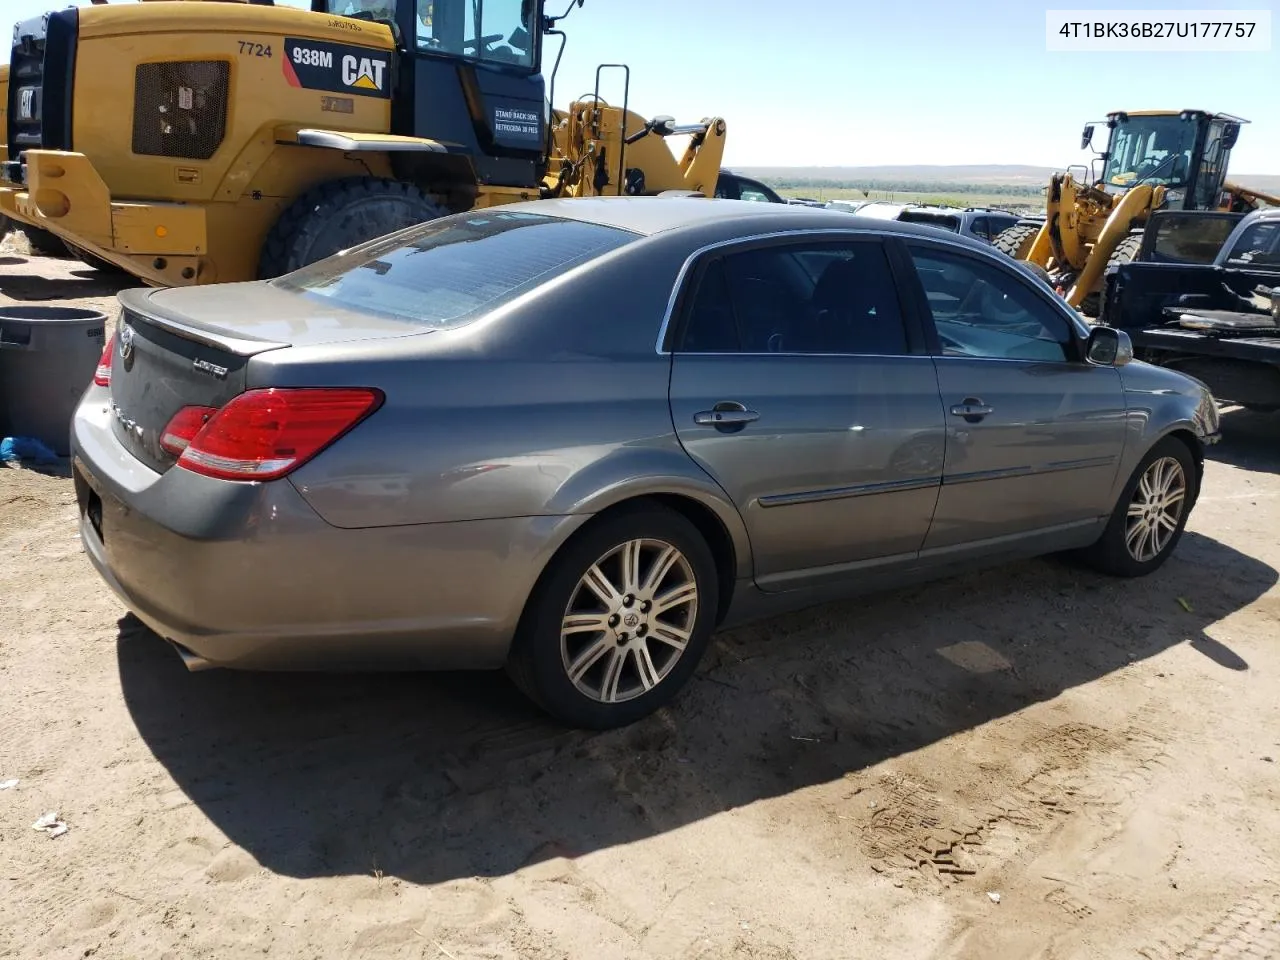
(1203, 295)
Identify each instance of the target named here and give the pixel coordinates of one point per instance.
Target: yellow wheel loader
(206, 141)
(1153, 160)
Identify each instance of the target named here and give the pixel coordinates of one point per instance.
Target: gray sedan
(573, 438)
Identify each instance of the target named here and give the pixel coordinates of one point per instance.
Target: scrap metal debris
(51, 825)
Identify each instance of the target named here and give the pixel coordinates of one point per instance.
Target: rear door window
(810, 298)
(445, 272)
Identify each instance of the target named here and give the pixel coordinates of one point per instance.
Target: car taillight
(264, 434)
(102, 376)
(182, 429)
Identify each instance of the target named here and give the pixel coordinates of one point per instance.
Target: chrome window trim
(944, 240)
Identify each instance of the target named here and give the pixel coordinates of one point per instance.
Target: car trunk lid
(192, 346)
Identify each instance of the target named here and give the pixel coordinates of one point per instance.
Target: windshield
(1155, 150)
(495, 31)
(444, 272)
(375, 9)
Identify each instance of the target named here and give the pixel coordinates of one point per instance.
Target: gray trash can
(47, 359)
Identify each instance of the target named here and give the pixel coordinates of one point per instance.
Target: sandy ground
(1033, 762)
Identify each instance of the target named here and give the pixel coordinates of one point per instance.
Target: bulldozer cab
(467, 73)
(477, 31)
(1184, 152)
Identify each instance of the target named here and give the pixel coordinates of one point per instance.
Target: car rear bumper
(248, 575)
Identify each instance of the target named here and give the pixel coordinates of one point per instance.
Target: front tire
(1125, 252)
(618, 622)
(1151, 514)
(342, 214)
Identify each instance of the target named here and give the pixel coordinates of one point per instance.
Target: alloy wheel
(1155, 510)
(629, 620)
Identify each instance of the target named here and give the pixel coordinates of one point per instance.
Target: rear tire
(1151, 514)
(90, 260)
(1016, 241)
(45, 244)
(342, 214)
(597, 665)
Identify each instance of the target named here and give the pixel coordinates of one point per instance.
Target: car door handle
(725, 414)
(972, 409)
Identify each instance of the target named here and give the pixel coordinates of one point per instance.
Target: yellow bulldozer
(207, 141)
(1155, 159)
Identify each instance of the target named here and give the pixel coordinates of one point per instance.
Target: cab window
(493, 31)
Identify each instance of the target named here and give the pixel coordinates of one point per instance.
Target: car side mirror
(1109, 347)
(1086, 138)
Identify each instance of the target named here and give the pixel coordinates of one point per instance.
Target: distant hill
(979, 175)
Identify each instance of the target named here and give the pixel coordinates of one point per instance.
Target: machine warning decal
(516, 122)
(336, 68)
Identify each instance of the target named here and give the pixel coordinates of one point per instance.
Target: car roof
(653, 215)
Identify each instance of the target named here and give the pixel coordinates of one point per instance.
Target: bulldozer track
(913, 828)
(1250, 930)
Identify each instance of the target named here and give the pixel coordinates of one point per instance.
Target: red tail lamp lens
(102, 376)
(265, 434)
(184, 426)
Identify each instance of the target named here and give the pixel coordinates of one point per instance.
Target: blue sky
(841, 82)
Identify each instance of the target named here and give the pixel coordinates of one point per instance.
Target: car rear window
(445, 272)
(931, 219)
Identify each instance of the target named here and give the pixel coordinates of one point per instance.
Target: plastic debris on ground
(8, 784)
(995, 897)
(14, 449)
(51, 825)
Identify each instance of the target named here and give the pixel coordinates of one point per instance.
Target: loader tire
(1124, 252)
(43, 243)
(1016, 241)
(90, 260)
(341, 214)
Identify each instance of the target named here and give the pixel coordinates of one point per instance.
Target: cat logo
(365, 73)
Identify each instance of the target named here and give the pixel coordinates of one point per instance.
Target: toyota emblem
(126, 342)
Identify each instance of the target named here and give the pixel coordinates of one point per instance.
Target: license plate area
(93, 510)
(89, 501)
